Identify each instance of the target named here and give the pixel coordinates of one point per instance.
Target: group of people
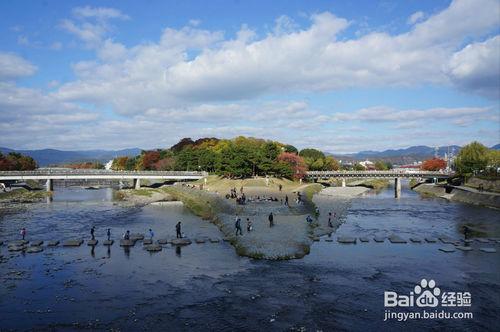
(126, 235)
(237, 224)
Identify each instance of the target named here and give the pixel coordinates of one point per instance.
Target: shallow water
(207, 286)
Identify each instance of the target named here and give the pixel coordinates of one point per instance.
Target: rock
(226, 239)
(469, 241)
(153, 247)
(346, 239)
(18, 243)
(54, 243)
(72, 243)
(147, 241)
(329, 240)
(92, 242)
(1, 243)
(136, 236)
(212, 240)
(127, 243)
(181, 242)
(199, 240)
(17, 248)
(488, 250)
(482, 240)
(463, 248)
(447, 249)
(162, 241)
(447, 240)
(379, 239)
(34, 249)
(415, 240)
(430, 240)
(316, 238)
(364, 239)
(108, 242)
(396, 239)
(36, 243)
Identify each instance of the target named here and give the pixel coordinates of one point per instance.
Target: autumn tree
(296, 163)
(434, 164)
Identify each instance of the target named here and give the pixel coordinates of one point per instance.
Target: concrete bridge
(396, 175)
(49, 175)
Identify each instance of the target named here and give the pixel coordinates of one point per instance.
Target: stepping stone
(226, 239)
(447, 240)
(92, 242)
(162, 241)
(181, 242)
(463, 248)
(1, 243)
(199, 240)
(34, 249)
(136, 236)
(153, 247)
(469, 241)
(53, 243)
(72, 243)
(108, 242)
(447, 250)
(396, 239)
(379, 239)
(147, 241)
(127, 243)
(316, 238)
(364, 239)
(482, 240)
(430, 240)
(36, 243)
(214, 240)
(17, 248)
(329, 240)
(415, 240)
(346, 239)
(488, 250)
(18, 243)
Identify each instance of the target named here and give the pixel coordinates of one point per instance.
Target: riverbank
(462, 195)
(22, 196)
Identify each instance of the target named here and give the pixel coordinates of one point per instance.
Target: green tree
(472, 159)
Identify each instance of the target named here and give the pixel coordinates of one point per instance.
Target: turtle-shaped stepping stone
(212, 240)
(316, 238)
(72, 243)
(430, 240)
(482, 240)
(53, 243)
(136, 237)
(92, 242)
(396, 239)
(36, 243)
(415, 240)
(447, 250)
(17, 248)
(469, 241)
(379, 239)
(34, 249)
(364, 239)
(447, 240)
(181, 242)
(329, 239)
(18, 243)
(464, 248)
(162, 241)
(199, 240)
(108, 242)
(488, 250)
(127, 243)
(346, 239)
(147, 241)
(153, 247)
(226, 239)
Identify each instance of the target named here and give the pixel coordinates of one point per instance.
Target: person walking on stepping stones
(249, 225)
(126, 236)
(151, 234)
(108, 233)
(178, 230)
(23, 232)
(330, 220)
(237, 225)
(92, 230)
(286, 200)
(271, 219)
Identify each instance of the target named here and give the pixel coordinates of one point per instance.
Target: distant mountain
(496, 147)
(47, 157)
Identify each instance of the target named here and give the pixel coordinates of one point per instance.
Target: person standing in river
(151, 234)
(237, 225)
(178, 230)
(108, 233)
(330, 220)
(271, 219)
(92, 231)
(23, 232)
(286, 200)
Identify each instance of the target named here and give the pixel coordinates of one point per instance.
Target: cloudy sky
(336, 75)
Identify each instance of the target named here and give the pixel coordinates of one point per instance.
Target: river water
(208, 287)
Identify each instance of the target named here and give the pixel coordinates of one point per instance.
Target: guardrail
(100, 172)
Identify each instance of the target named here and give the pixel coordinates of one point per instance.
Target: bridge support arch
(343, 182)
(397, 187)
(49, 185)
(137, 183)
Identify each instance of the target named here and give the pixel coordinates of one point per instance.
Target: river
(208, 287)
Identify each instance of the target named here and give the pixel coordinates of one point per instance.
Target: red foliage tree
(434, 164)
(296, 162)
(149, 159)
(165, 164)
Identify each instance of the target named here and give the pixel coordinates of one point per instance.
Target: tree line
(16, 162)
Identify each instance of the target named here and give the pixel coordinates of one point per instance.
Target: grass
(312, 189)
(143, 192)
(376, 184)
(23, 195)
(199, 203)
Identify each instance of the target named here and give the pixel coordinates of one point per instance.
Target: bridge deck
(376, 174)
(99, 174)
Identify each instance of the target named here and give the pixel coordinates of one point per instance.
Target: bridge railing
(100, 172)
(398, 172)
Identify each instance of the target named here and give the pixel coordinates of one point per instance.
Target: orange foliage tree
(434, 164)
(296, 162)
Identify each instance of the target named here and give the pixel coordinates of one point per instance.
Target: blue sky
(335, 75)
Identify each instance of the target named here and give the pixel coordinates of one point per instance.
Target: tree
(359, 167)
(311, 153)
(472, 158)
(296, 164)
(382, 165)
(149, 159)
(165, 164)
(119, 164)
(16, 162)
(331, 164)
(291, 149)
(434, 164)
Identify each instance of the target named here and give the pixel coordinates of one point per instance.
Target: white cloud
(13, 66)
(415, 17)
(101, 13)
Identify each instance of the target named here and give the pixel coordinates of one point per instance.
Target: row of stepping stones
(36, 246)
(397, 239)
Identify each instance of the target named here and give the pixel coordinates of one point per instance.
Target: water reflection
(126, 250)
(178, 251)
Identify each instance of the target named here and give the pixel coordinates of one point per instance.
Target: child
(23, 232)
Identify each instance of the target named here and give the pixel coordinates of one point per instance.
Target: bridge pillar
(397, 187)
(49, 185)
(137, 183)
(343, 182)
